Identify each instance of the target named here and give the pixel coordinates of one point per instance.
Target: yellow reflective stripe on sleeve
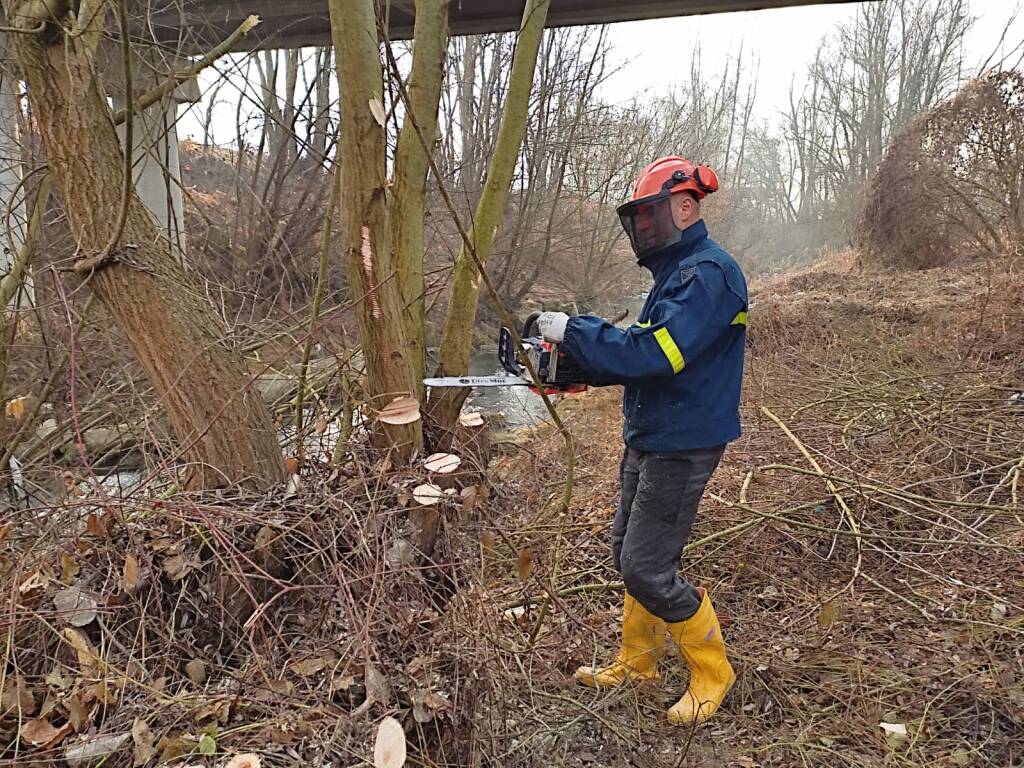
(740, 319)
(668, 346)
(643, 325)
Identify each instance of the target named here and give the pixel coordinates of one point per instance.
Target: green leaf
(207, 745)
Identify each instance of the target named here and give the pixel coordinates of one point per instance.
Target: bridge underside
(195, 25)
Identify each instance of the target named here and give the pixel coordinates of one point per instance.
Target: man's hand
(552, 326)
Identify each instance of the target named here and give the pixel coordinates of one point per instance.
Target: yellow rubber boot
(643, 640)
(711, 675)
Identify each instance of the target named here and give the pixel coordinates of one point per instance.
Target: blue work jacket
(682, 362)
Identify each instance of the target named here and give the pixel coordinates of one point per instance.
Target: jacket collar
(665, 261)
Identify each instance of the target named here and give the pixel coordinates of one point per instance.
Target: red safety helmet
(647, 218)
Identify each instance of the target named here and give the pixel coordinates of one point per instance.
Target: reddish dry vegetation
(950, 185)
(866, 567)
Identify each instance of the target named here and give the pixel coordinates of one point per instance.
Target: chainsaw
(556, 370)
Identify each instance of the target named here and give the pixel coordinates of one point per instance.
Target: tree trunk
(322, 106)
(223, 427)
(211, 105)
(289, 139)
(272, 121)
(466, 97)
(366, 234)
(430, 38)
(453, 357)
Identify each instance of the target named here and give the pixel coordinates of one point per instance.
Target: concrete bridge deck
(195, 25)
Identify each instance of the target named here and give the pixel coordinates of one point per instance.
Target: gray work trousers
(660, 496)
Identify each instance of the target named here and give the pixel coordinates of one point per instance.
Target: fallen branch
(848, 514)
(889, 537)
(618, 586)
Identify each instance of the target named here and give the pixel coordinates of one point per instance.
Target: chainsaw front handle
(528, 325)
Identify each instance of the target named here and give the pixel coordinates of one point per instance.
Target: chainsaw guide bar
(477, 381)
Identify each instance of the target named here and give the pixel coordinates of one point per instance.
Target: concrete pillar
(157, 167)
(13, 227)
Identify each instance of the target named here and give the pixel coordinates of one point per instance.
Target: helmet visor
(648, 224)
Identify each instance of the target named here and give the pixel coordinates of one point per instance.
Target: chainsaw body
(559, 374)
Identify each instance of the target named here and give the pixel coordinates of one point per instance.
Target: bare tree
(893, 60)
(320, 106)
(952, 183)
(411, 165)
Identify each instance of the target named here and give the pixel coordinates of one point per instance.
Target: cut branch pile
(201, 628)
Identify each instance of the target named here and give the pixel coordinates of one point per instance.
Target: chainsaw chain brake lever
(507, 353)
(533, 347)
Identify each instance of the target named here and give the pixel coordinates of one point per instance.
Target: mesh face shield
(648, 224)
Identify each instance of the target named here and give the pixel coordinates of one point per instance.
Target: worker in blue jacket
(681, 365)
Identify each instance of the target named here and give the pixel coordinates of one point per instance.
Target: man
(681, 365)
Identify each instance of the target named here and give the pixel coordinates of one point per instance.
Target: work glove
(552, 326)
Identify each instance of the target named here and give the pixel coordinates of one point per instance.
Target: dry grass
(888, 591)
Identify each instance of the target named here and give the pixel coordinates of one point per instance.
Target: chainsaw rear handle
(530, 330)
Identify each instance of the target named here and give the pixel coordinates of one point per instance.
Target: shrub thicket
(950, 186)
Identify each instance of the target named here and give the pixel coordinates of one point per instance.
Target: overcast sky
(652, 53)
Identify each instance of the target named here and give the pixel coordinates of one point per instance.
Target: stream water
(508, 407)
